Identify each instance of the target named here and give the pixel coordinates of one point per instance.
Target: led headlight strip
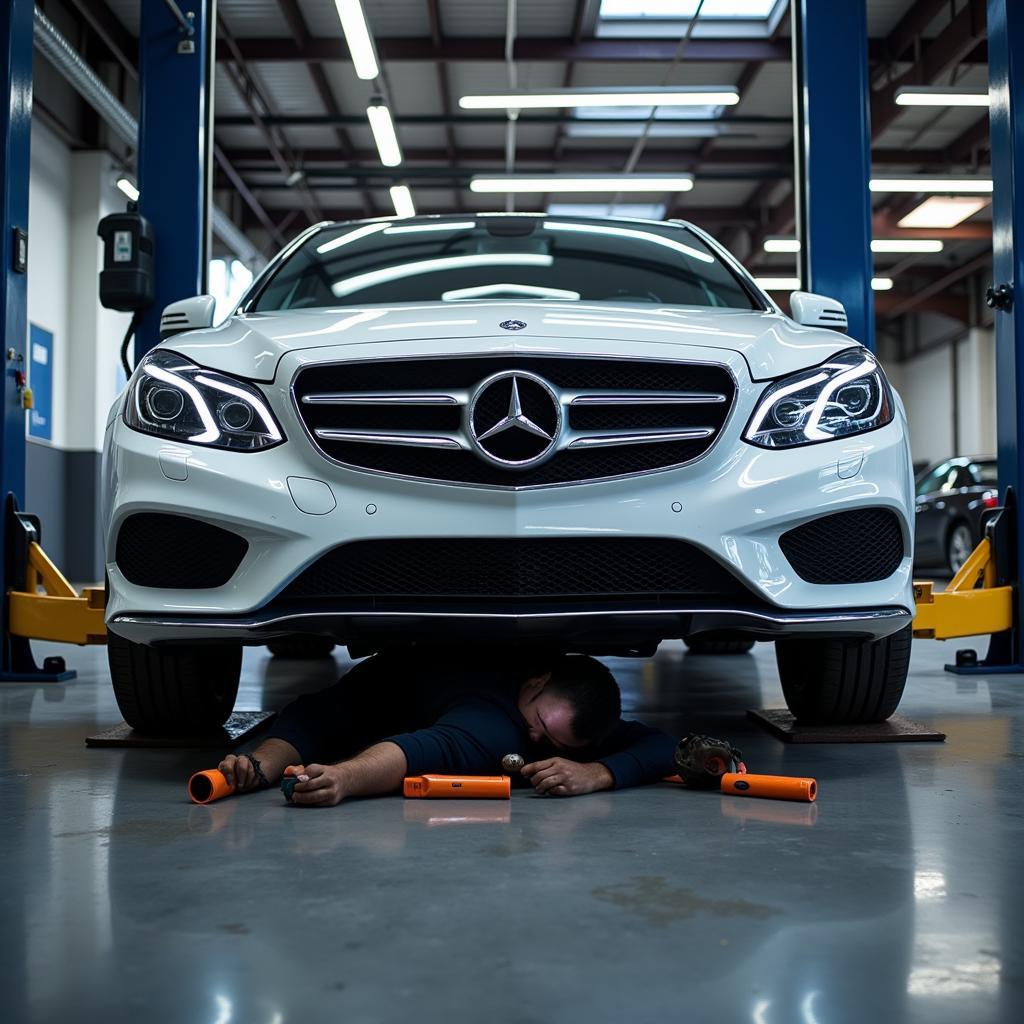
(817, 415)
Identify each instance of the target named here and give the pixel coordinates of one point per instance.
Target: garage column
(16, 19)
(175, 149)
(1006, 91)
(833, 156)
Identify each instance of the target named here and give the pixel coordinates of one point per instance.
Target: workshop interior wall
(68, 194)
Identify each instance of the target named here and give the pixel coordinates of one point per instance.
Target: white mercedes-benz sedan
(551, 432)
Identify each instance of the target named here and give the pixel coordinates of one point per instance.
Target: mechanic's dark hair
(593, 693)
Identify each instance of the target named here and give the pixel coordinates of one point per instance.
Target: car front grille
(177, 553)
(591, 568)
(606, 417)
(847, 547)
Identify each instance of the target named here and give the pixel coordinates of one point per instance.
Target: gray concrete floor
(895, 898)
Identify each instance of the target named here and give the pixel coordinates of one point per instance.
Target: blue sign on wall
(40, 380)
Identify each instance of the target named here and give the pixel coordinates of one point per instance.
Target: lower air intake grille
(848, 547)
(176, 553)
(578, 567)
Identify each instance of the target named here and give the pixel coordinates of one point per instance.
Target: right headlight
(846, 395)
(171, 397)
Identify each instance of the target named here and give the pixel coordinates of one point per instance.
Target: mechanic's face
(549, 718)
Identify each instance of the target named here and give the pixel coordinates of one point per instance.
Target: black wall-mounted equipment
(126, 280)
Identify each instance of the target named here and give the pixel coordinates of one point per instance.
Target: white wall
(976, 362)
(68, 194)
(926, 385)
(49, 233)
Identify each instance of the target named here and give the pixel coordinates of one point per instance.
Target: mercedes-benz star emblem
(514, 419)
(512, 325)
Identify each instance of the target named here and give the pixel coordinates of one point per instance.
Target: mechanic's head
(574, 704)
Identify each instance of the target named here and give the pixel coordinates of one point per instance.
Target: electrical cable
(132, 327)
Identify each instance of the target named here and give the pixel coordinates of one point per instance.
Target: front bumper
(734, 504)
(598, 631)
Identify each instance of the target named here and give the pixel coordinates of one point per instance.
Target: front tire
(844, 682)
(168, 690)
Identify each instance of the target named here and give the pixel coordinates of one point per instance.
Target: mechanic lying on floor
(397, 715)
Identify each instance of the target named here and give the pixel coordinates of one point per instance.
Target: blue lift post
(16, 26)
(833, 156)
(175, 150)
(1006, 92)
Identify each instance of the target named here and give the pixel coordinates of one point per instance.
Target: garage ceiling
(291, 121)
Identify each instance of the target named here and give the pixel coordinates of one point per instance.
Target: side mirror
(187, 315)
(818, 311)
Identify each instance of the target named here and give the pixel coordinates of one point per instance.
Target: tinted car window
(542, 258)
(984, 473)
(933, 480)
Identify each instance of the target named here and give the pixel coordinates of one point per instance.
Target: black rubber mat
(236, 729)
(898, 729)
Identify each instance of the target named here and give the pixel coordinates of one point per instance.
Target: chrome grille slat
(578, 398)
(405, 439)
(624, 437)
(387, 398)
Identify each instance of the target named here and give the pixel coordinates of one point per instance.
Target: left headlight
(846, 395)
(173, 398)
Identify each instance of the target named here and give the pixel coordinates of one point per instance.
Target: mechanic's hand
(237, 769)
(319, 785)
(558, 776)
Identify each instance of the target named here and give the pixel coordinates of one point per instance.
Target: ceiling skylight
(666, 18)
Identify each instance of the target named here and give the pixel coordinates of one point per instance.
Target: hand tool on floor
(704, 762)
(206, 786)
(775, 787)
(466, 787)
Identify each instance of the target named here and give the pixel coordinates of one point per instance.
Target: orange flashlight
(774, 787)
(205, 787)
(464, 787)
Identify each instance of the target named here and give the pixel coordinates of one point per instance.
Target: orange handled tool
(775, 787)
(465, 787)
(205, 787)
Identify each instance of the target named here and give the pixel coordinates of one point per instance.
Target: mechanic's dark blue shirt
(450, 716)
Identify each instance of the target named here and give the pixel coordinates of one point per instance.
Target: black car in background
(951, 497)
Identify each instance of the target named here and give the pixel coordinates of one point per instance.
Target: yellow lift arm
(972, 604)
(60, 613)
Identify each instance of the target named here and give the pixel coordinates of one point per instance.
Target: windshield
(503, 257)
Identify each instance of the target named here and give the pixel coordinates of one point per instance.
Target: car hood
(252, 345)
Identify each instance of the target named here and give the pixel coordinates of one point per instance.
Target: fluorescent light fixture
(351, 236)
(664, 96)
(635, 211)
(939, 96)
(357, 35)
(782, 245)
(877, 245)
(127, 186)
(778, 284)
(636, 9)
(402, 198)
(527, 291)
(348, 285)
(943, 212)
(606, 230)
(792, 284)
(585, 183)
(418, 229)
(930, 184)
(384, 136)
(907, 245)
